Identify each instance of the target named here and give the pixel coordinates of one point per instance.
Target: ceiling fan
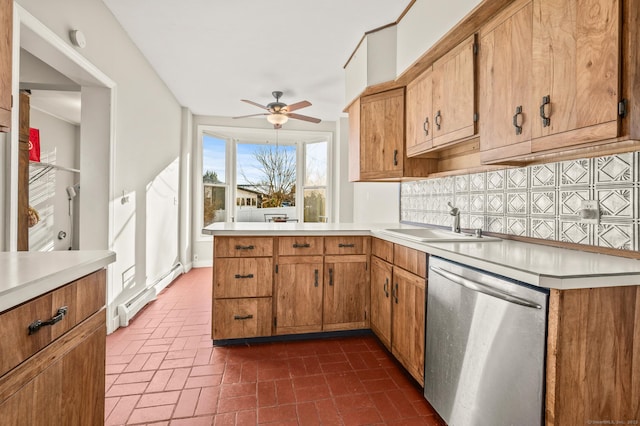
(279, 112)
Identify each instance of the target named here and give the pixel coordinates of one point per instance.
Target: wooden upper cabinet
(576, 71)
(382, 134)
(377, 142)
(454, 101)
(6, 35)
(506, 105)
(419, 116)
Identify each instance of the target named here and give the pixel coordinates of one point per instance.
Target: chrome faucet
(455, 212)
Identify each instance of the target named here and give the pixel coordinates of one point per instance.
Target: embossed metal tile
(570, 201)
(576, 172)
(614, 169)
(543, 175)
(495, 180)
(517, 178)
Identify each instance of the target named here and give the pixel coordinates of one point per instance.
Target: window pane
(213, 159)
(266, 176)
(213, 178)
(315, 164)
(315, 205)
(214, 204)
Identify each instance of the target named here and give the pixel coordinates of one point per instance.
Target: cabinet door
(576, 60)
(382, 135)
(381, 283)
(346, 279)
(419, 117)
(454, 95)
(6, 34)
(408, 327)
(506, 107)
(299, 283)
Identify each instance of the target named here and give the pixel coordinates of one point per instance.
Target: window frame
(227, 134)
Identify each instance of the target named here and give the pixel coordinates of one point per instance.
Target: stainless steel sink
(436, 235)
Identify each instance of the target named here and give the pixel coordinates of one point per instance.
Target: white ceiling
(212, 53)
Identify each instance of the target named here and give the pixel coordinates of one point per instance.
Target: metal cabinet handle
(242, 317)
(331, 276)
(343, 245)
(546, 120)
(315, 283)
(306, 245)
(37, 324)
(425, 126)
(385, 287)
(438, 120)
(239, 247)
(515, 120)
(395, 157)
(238, 276)
(395, 293)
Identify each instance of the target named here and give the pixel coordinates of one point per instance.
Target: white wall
(425, 23)
(343, 207)
(376, 202)
(147, 125)
(48, 195)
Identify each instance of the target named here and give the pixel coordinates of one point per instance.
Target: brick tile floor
(163, 370)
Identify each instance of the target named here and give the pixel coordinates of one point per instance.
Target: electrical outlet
(195, 257)
(589, 212)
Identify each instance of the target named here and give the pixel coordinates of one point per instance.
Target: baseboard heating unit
(129, 309)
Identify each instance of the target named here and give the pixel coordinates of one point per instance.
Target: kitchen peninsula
(593, 318)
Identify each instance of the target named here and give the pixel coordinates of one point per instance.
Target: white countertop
(26, 275)
(535, 264)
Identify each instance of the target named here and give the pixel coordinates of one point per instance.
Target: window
(214, 189)
(249, 177)
(315, 182)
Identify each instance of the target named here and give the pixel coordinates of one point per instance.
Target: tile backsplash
(540, 201)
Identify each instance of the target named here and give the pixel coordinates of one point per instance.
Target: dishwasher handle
(484, 288)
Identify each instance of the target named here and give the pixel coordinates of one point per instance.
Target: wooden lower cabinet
(398, 303)
(346, 281)
(407, 322)
(299, 291)
(64, 380)
(381, 282)
(242, 318)
(593, 357)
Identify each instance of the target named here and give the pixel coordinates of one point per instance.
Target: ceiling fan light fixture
(277, 118)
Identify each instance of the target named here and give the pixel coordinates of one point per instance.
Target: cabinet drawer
(346, 245)
(242, 246)
(239, 318)
(382, 249)
(246, 277)
(410, 260)
(81, 298)
(304, 245)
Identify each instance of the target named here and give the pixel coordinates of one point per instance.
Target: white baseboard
(203, 263)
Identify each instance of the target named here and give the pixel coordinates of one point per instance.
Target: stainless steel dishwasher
(485, 347)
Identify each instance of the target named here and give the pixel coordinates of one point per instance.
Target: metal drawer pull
(395, 295)
(306, 245)
(330, 276)
(239, 247)
(385, 287)
(395, 157)
(316, 278)
(484, 288)
(242, 317)
(238, 276)
(425, 126)
(37, 324)
(346, 245)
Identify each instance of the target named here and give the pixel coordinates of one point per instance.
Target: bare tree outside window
(275, 175)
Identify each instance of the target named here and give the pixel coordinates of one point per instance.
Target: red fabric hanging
(34, 144)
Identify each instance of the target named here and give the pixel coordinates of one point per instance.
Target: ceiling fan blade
(304, 118)
(298, 105)
(252, 115)
(255, 103)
